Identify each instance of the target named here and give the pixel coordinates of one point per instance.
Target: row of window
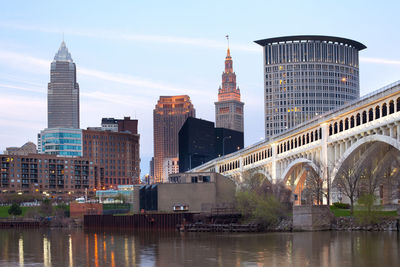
(311, 51)
(301, 140)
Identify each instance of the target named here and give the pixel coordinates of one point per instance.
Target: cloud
(21, 88)
(158, 39)
(28, 62)
(380, 61)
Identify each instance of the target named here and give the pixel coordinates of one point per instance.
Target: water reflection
(21, 251)
(46, 252)
(99, 248)
(71, 262)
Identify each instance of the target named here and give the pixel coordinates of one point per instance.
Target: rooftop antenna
(227, 38)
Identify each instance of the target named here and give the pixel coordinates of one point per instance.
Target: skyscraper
(305, 76)
(229, 109)
(63, 92)
(168, 117)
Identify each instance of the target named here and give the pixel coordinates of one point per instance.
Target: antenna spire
(227, 38)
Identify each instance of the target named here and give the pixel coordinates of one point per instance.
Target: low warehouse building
(193, 192)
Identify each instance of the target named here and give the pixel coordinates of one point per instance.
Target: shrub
(340, 205)
(262, 209)
(366, 212)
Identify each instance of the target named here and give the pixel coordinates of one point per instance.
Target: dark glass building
(227, 141)
(63, 92)
(196, 143)
(200, 142)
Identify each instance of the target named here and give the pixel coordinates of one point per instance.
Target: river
(58, 247)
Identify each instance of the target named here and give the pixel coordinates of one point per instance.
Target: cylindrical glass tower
(306, 76)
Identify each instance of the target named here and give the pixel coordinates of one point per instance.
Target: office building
(63, 92)
(200, 142)
(229, 108)
(60, 141)
(116, 153)
(168, 117)
(196, 143)
(306, 76)
(117, 125)
(170, 165)
(227, 141)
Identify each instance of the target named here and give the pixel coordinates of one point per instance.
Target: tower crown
(63, 54)
(228, 91)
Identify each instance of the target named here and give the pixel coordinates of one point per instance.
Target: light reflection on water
(57, 247)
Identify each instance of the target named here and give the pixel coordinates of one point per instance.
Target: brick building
(40, 173)
(115, 152)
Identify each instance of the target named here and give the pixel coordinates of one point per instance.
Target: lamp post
(223, 144)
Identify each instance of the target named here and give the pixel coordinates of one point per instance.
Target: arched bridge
(323, 143)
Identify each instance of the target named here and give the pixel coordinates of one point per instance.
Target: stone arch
(371, 138)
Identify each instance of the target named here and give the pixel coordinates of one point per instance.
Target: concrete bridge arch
(367, 139)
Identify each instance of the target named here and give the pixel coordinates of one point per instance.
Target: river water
(55, 247)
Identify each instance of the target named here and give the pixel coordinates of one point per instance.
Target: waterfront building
(195, 192)
(52, 174)
(63, 92)
(200, 142)
(115, 153)
(305, 76)
(229, 108)
(60, 141)
(168, 117)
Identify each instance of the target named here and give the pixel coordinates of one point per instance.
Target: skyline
(124, 64)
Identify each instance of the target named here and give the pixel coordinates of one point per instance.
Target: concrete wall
(311, 218)
(226, 190)
(198, 196)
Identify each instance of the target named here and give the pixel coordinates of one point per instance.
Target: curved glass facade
(307, 77)
(60, 141)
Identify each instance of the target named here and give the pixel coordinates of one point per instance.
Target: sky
(128, 53)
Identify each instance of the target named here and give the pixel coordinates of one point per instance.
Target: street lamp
(223, 144)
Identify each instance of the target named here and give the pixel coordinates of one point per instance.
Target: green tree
(15, 210)
(366, 212)
(260, 201)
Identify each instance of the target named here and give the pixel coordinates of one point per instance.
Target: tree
(46, 208)
(347, 181)
(366, 211)
(15, 210)
(260, 201)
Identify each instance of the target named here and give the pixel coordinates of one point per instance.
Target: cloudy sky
(128, 53)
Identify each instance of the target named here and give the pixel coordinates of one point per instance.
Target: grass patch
(346, 212)
(4, 211)
(340, 212)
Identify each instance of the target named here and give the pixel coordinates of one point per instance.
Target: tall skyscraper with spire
(63, 92)
(229, 108)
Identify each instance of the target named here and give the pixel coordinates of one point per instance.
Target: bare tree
(315, 189)
(347, 180)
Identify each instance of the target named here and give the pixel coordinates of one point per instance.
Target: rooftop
(63, 54)
(298, 38)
